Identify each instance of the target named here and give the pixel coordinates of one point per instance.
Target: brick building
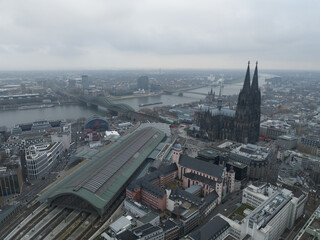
(210, 177)
(149, 190)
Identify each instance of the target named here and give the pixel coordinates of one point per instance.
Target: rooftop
(237, 164)
(148, 179)
(251, 151)
(211, 230)
(168, 225)
(287, 137)
(148, 217)
(101, 179)
(275, 124)
(200, 178)
(201, 166)
(120, 223)
(37, 150)
(186, 196)
(263, 214)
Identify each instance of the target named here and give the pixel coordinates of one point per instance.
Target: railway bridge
(120, 109)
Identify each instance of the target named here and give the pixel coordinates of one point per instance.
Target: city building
(143, 83)
(256, 195)
(120, 225)
(310, 145)
(213, 155)
(275, 128)
(150, 190)
(257, 158)
(63, 136)
(41, 125)
(10, 180)
(242, 125)
(286, 142)
(190, 209)
(217, 228)
(171, 230)
(85, 82)
(89, 135)
(182, 115)
(240, 169)
(210, 177)
(144, 232)
(275, 209)
(186, 206)
(41, 157)
(151, 217)
(135, 208)
(168, 230)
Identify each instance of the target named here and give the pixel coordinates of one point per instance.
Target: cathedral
(241, 125)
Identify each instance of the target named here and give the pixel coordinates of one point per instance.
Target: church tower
(256, 104)
(243, 120)
(211, 97)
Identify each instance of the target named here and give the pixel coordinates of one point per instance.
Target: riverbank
(183, 89)
(136, 96)
(33, 106)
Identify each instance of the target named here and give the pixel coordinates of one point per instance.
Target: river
(13, 117)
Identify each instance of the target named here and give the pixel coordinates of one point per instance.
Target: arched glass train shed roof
(96, 185)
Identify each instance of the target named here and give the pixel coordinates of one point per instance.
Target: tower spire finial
(246, 85)
(255, 85)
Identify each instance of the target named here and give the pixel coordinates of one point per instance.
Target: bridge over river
(118, 108)
(106, 103)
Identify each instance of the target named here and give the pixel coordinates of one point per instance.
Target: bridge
(121, 109)
(106, 103)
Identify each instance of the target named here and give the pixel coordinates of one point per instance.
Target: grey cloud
(283, 30)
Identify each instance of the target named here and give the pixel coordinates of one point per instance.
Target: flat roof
(251, 151)
(288, 137)
(120, 223)
(99, 181)
(237, 164)
(268, 209)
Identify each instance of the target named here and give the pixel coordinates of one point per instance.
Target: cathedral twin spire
(255, 85)
(248, 109)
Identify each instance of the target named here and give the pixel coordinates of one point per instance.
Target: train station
(96, 185)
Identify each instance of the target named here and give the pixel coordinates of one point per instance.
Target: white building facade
(41, 157)
(276, 210)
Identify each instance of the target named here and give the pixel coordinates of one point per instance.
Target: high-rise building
(242, 125)
(275, 209)
(85, 82)
(10, 180)
(143, 83)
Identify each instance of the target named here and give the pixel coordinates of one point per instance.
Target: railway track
(57, 223)
(12, 223)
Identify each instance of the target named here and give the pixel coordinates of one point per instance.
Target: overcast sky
(102, 34)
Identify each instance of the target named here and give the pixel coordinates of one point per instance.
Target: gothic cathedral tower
(256, 111)
(247, 122)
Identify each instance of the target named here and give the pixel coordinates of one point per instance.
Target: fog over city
(97, 34)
